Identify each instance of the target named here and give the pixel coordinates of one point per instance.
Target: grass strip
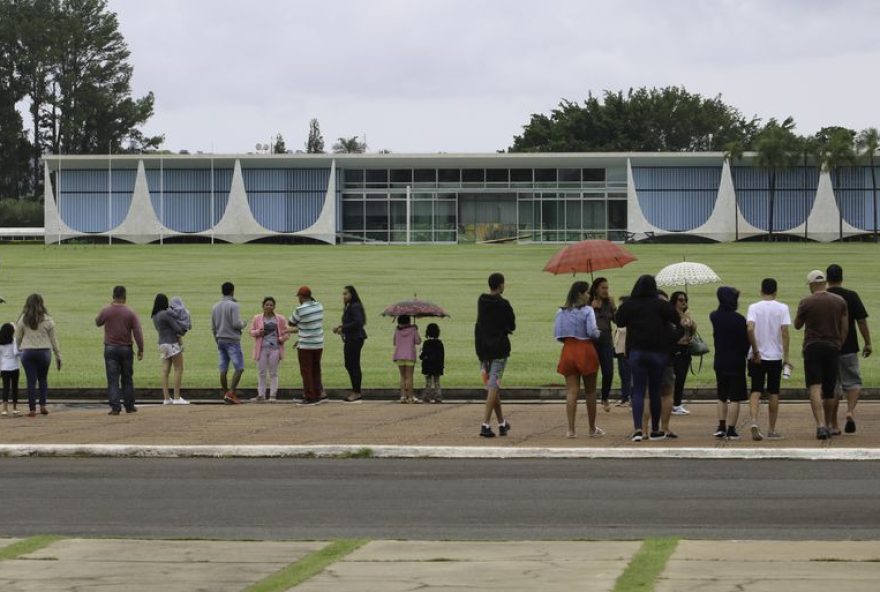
(646, 565)
(28, 545)
(310, 565)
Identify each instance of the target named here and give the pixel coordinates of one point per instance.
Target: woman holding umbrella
(353, 336)
(576, 328)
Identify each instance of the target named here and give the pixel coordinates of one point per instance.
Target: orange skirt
(578, 358)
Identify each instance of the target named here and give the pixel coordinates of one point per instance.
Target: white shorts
(169, 350)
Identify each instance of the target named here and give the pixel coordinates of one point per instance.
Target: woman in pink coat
(269, 332)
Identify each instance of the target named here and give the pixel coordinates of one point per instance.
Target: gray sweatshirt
(226, 323)
(168, 327)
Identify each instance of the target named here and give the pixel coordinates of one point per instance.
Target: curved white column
(141, 225)
(238, 225)
(324, 228)
(823, 223)
(726, 215)
(636, 221)
(55, 228)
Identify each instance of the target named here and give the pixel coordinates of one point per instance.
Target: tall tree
(776, 146)
(868, 142)
(315, 143)
(349, 146)
(14, 149)
(733, 151)
(278, 145)
(649, 120)
(838, 151)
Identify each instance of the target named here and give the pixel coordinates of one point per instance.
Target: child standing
(9, 359)
(432, 357)
(406, 338)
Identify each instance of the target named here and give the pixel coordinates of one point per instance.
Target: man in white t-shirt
(768, 322)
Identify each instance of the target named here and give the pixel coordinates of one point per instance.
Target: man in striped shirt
(308, 321)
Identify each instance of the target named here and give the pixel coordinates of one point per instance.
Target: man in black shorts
(731, 348)
(823, 316)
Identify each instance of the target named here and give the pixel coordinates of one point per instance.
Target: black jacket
(495, 321)
(731, 334)
(652, 324)
(433, 357)
(353, 321)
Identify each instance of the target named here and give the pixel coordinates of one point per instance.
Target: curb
(453, 452)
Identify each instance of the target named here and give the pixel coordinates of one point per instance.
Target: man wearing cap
(850, 381)
(308, 321)
(823, 316)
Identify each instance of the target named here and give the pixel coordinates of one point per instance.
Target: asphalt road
(439, 499)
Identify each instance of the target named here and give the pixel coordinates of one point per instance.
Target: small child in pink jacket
(406, 338)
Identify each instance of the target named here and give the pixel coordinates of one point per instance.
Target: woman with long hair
(170, 330)
(35, 338)
(604, 308)
(353, 336)
(576, 328)
(681, 355)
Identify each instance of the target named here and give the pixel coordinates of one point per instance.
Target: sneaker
(757, 436)
(168, 402)
(308, 402)
(112, 412)
(680, 410)
(4, 413)
(486, 432)
(656, 436)
(32, 414)
(503, 428)
(402, 400)
(230, 399)
(622, 403)
(16, 412)
(597, 432)
(636, 436)
(771, 435)
(180, 401)
(850, 427)
(720, 432)
(257, 399)
(671, 436)
(131, 409)
(606, 405)
(43, 410)
(732, 433)
(353, 398)
(823, 433)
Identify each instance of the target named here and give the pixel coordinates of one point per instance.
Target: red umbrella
(589, 256)
(414, 308)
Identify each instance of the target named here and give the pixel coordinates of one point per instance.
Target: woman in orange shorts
(576, 328)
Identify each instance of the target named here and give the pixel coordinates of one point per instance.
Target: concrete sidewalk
(392, 566)
(540, 424)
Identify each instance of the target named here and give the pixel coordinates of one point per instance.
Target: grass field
(76, 281)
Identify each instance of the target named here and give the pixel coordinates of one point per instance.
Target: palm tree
(837, 153)
(809, 149)
(775, 145)
(868, 142)
(349, 146)
(733, 151)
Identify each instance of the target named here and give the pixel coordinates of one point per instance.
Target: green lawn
(76, 281)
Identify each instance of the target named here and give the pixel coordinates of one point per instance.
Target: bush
(27, 213)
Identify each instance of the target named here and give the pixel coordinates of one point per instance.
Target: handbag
(698, 347)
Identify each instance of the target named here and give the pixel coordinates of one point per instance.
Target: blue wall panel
(286, 200)
(84, 200)
(855, 195)
(794, 195)
(677, 198)
(187, 197)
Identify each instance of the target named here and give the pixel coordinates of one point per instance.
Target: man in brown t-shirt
(824, 318)
(121, 327)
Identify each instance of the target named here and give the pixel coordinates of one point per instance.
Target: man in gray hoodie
(226, 324)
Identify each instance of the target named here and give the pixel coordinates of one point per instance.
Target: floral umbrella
(686, 273)
(589, 256)
(415, 308)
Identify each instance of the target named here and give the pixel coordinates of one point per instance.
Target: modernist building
(446, 198)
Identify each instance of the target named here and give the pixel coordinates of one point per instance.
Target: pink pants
(270, 357)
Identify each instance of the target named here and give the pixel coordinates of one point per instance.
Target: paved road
(440, 499)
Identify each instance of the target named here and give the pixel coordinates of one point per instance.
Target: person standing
(121, 326)
(768, 322)
(433, 358)
(681, 354)
(308, 321)
(10, 359)
(623, 370)
(269, 331)
(170, 330)
(648, 320)
(575, 326)
(226, 326)
(406, 340)
(850, 381)
(731, 349)
(495, 322)
(825, 321)
(604, 309)
(353, 335)
(35, 339)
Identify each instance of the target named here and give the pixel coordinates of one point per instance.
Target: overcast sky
(464, 76)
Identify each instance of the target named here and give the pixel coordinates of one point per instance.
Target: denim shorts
(492, 371)
(229, 352)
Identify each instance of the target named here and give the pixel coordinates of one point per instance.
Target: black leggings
(10, 384)
(681, 363)
(352, 352)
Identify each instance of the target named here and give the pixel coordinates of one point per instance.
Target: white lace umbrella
(686, 273)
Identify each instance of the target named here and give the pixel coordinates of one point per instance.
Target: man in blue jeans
(121, 326)
(226, 324)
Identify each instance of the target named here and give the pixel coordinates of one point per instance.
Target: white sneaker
(680, 410)
(180, 401)
(167, 402)
(598, 432)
